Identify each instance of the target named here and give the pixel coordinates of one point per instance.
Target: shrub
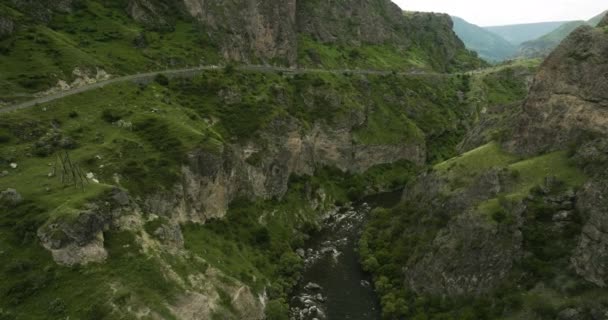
(229, 69)
(161, 79)
(277, 310)
(111, 115)
(73, 114)
(499, 215)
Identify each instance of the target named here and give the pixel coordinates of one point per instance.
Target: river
(333, 285)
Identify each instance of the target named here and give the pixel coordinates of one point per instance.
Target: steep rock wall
(569, 97)
(210, 181)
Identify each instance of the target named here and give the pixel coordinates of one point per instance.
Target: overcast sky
(501, 12)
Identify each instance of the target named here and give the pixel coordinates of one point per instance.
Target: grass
(476, 161)
(532, 172)
(461, 170)
(138, 136)
(94, 36)
(315, 54)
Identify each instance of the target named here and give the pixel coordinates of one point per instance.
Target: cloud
(492, 12)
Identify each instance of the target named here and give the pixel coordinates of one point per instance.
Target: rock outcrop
(10, 198)
(470, 255)
(591, 253)
(254, 30)
(212, 180)
(7, 27)
(43, 10)
(569, 98)
(78, 239)
(371, 22)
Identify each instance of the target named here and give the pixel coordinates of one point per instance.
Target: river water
(333, 285)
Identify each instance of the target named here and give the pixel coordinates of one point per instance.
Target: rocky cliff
(254, 32)
(568, 100)
(521, 219)
(211, 181)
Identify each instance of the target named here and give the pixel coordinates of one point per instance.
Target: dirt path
(189, 72)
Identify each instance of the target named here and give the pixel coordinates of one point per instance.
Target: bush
(161, 79)
(499, 215)
(111, 115)
(261, 236)
(229, 69)
(277, 310)
(542, 308)
(73, 114)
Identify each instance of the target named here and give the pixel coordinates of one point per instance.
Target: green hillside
(542, 46)
(490, 46)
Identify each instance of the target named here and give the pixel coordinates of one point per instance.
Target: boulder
(10, 197)
(7, 27)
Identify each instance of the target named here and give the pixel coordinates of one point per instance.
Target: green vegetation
(543, 45)
(138, 136)
(35, 286)
(379, 57)
(398, 237)
(99, 35)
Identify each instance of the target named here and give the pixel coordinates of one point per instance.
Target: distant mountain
(544, 45)
(490, 46)
(519, 33)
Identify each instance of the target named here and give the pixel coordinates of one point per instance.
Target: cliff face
(247, 30)
(569, 98)
(353, 22)
(212, 181)
(265, 31)
(516, 219)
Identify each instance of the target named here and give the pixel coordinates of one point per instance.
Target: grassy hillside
(490, 46)
(95, 36)
(542, 46)
(96, 39)
(136, 137)
(386, 248)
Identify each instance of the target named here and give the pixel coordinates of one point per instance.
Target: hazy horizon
(491, 13)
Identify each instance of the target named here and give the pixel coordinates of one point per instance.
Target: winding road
(190, 72)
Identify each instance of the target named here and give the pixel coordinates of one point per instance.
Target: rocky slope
(568, 99)
(511, 229)
(201, 189)
(138, 35)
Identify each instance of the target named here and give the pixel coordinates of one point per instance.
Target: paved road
(190, 72)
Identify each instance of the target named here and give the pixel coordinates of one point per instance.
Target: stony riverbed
(333, 285)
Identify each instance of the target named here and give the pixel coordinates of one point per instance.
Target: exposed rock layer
(569, 98)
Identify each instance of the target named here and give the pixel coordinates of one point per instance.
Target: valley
(305, 160)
